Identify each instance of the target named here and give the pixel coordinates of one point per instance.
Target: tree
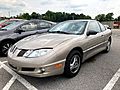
(35, 15)
(109, 17)
(24, 16)
(101, 17)
(117, 19)
(88, 17)
(53, 16)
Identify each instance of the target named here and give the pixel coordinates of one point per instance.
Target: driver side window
(93, 25)
(29, 26)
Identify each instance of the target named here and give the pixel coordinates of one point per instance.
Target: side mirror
(109, 28)
(91, 32)
(19, 31)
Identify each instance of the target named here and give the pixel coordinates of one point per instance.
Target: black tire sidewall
(67, 71)
(106, 50)
(2, 44)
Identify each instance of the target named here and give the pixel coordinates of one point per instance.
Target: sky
(87, 7)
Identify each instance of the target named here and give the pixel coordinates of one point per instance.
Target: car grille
(22, 52)
(22, 69)
(13, 66)
(27, 69)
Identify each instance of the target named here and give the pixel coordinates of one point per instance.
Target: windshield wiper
(59, 32)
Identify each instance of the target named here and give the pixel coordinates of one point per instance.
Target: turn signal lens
(57, 66)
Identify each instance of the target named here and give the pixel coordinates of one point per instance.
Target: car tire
(108, 47)
(4, 47)
(72, 64)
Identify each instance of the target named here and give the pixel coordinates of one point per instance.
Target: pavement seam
(1, 66)
(19, 78)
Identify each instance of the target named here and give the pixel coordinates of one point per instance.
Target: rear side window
(44, 25)
(29, 26)
(102, 27)
(93, 25)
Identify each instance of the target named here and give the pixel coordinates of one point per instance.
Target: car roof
(15, 19)
(82, 20)
(42, 21)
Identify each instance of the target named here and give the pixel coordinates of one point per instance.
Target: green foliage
(109, 17)
(53, 16)
(24, 16)
(35, 15)
(117, 19)
(103, 17)
(62, 16)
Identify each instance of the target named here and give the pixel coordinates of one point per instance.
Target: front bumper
(41, 71)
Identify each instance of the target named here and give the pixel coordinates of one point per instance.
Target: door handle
(102, 35)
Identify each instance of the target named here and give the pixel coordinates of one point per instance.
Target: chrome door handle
(102, 35)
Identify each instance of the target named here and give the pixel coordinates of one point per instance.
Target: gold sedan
(61, 50)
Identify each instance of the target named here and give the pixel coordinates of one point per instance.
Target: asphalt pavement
(101, 72)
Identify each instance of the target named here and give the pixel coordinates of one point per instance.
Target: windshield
(69, 27)
(12, 26)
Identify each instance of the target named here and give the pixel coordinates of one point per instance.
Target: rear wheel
(4, 47)
(108, 47)
(72, 64)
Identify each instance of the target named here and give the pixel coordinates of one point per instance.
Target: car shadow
(55, 79)
(3, 56)
(46, 82)
(93, 58)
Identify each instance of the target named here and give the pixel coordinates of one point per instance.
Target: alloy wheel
(75, 63)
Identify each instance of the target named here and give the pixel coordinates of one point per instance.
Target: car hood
(2, 32)
(43, 41)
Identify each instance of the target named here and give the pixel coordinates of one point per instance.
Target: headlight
(36, 53)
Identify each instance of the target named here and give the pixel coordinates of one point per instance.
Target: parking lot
(100, 72)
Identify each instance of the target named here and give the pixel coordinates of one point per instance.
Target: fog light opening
(40, 70)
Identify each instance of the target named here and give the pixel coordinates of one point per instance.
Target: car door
(43, 26)
(27, 29)
(95, 43)
(105, 32)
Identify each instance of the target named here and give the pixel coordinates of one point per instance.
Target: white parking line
(112, 82)
(1, 66)
(4, 62)
(9, 84)
(19, 78)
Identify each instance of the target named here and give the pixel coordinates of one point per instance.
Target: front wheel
(4, 47)
(72, 64)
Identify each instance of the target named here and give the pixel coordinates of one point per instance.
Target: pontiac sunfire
(61, 50)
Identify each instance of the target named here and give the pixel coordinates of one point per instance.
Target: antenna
(9, 14)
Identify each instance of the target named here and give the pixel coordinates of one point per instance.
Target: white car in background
(107, 27)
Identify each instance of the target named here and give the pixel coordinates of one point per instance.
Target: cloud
(88, 7)
(12, 6)
(78, 6)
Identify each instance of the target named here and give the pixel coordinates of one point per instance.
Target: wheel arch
(8, 39)
(110, 39)
(78, 49)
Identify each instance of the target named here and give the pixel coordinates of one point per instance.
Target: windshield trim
(62, 32)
